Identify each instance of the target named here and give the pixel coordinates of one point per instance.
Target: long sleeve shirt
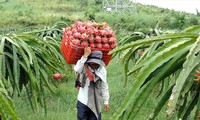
(100, 72)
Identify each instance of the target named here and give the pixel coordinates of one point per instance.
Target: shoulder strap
(77, 82)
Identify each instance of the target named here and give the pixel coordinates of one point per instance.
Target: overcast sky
(178, 5)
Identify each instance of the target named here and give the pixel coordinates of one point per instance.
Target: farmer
(93, 85)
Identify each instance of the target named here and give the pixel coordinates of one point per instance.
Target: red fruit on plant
(103, 32)
(84, 44)
(74, 30)
(88, 25)
(198, 116)
(96, 31)
(91, 34)
(104, 40)
(92, 45)
(99, 45)
(84, 37)
(98, 39)
(68, 33)
(109, 33)
(57, 76)
(112, 40)
(89, 31)
(77, 35)
(198, 76)
(76, 42)
(106, 46)
(78, 23)
(91, 39)
(81, 29)
(84, 23)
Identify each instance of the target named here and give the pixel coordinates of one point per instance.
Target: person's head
(95, 59)
(93, 65)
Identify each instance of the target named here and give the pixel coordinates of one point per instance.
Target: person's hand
(87, 52)
(106, 107)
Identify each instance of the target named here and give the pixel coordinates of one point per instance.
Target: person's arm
(80, 63)
(105, 94)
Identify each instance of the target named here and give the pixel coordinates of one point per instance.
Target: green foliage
(90, 14)
(175, 55)
(28, 62)
(7, 109)
(98, 2)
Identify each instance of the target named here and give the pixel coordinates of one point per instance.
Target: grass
(28, 13)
